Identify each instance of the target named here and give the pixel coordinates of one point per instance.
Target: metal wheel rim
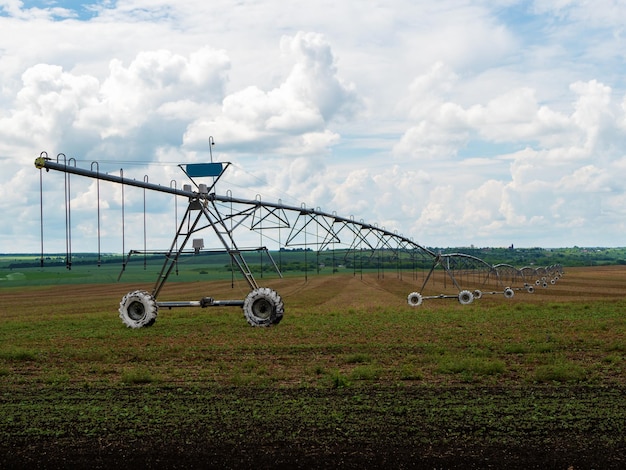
(262, 308)
(136, 310)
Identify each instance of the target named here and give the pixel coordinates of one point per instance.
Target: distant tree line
(308, 260)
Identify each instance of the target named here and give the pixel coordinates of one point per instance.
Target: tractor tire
(414, 299)
(263, 307)
(466, 297)
(138, 309)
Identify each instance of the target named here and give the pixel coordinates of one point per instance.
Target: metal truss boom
(324, 220)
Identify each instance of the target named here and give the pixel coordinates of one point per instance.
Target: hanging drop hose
(260, 230)
(232, 266)
(68, 215)
(41, 213)
(145, 179)
(123, 222)
(98, 204)
(175, 218)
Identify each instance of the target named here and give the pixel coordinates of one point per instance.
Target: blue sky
(59, 10)
(456, 122)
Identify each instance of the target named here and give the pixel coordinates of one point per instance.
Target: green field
(28, 269)
(351, 378)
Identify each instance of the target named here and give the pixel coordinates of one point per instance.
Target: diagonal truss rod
(186, 229)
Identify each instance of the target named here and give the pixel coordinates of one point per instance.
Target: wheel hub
(262, 308)
(136, 311)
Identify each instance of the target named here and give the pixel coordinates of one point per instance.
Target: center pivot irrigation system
(350, 242)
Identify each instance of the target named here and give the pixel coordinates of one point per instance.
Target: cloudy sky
(455, 122)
